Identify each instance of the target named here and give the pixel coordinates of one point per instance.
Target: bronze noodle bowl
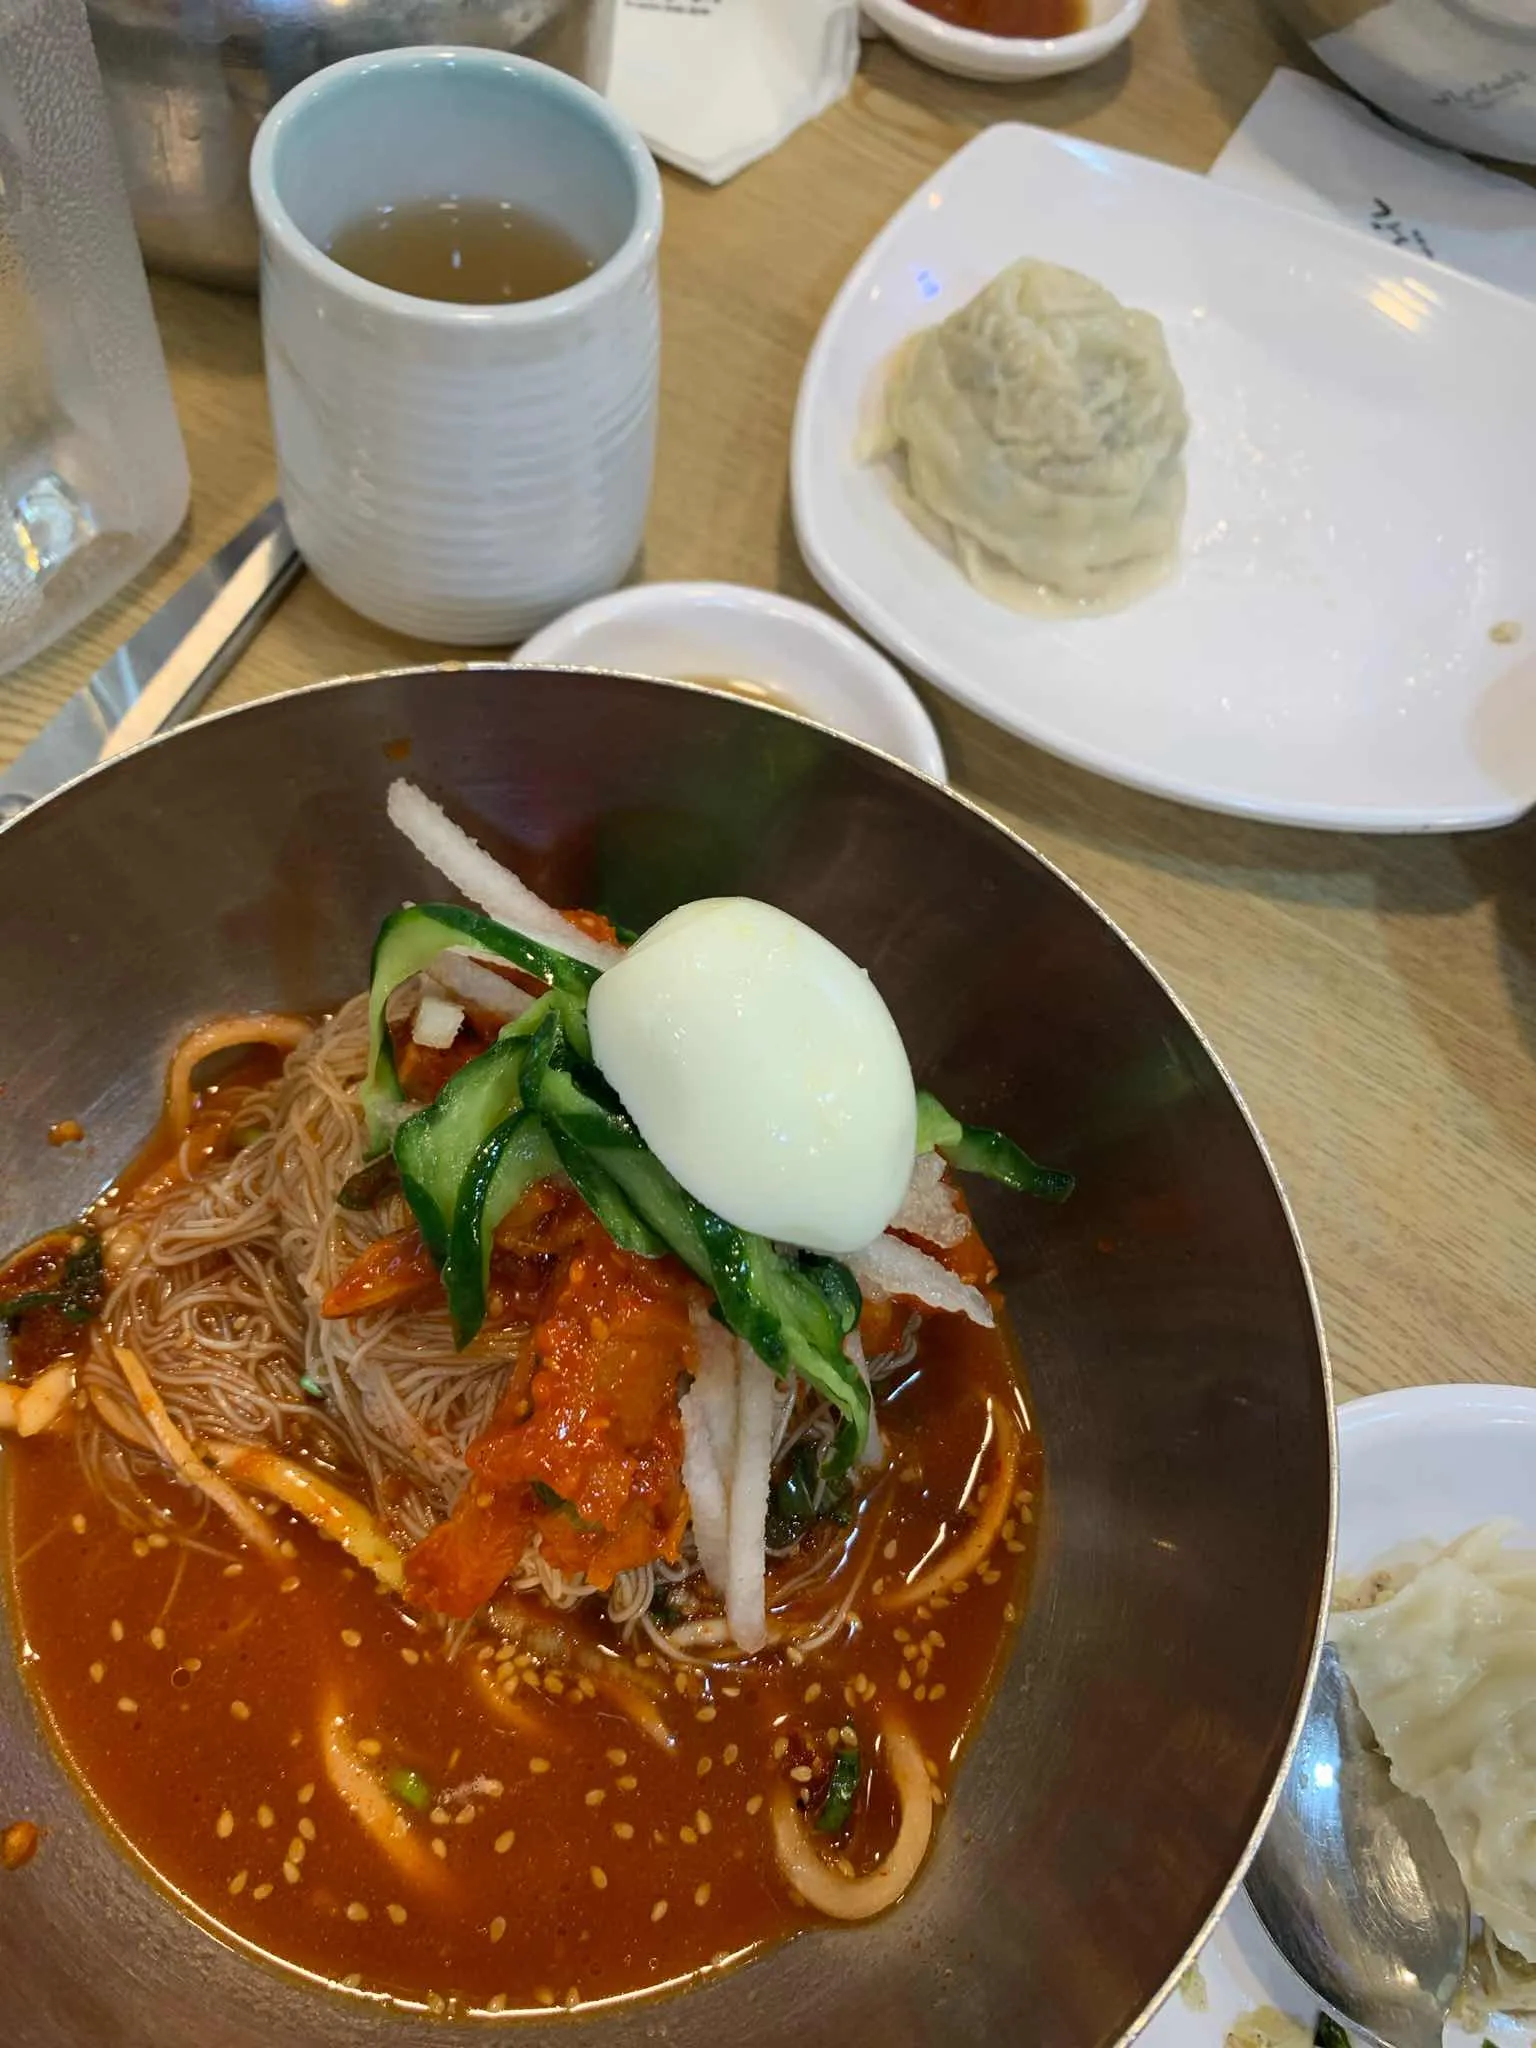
(1110, 1798)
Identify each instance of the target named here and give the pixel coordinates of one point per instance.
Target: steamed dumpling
(1043, 429)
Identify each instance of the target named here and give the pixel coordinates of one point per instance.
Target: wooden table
(1375, 999)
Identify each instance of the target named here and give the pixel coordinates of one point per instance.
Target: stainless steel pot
(1113, 1789)
(188, 82)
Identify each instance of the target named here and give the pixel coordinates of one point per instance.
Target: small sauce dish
(968, 53)
(754, 644)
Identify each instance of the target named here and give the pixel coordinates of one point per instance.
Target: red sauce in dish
(1034, 18)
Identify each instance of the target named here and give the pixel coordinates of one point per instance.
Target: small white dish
(970, 54)
(1428, 1461)
(1361, 520)
(723, 632)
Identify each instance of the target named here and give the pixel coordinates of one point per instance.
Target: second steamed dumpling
(1043, 428)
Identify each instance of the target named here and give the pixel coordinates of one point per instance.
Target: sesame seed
(701, 1896)
(624, 1830)
(262, 1891)
(1014, 1549)
(730, 1754)
(77, 1523)
(115, 1631)
(370, 1746)
(812, 1694)
(439, 1848)
(224, 1826)
(659, 1911)
(498, 2003)
(498, 1928)
(465, 1814)
(265, 1817)
(354, 1982)
(237, 1883)
(296, 1849)
(801, 1774)
(357, 1911)
(351, 1638)
(410, 1656)
(504, 1841)
(288, 1549)
(233, 1571)
(193, 1664)
(544, 1995)
(306, 1793)
(705, 1714)
(240, 1710)
(157, 1638)
(127, 1706)
(920, 1693)
(492, 1787)
(780, 1748)
(627, 1783)
(158, 1542)
(307, 1828)
(904, 1679)
(440, 1816)
(702, 1822)
(755, 1803)
(704, 1766)
(98, 1673)
(600, 1877)
(538, 1765)
(596, 1796)
(1010, 1612)
(290, 1584)
(140, 1547)
(396, 1914)
(618, 1758)
(889, 1551)
(291, 1872)
(688, 1835)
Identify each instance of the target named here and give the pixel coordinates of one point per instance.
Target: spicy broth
(567, 1856)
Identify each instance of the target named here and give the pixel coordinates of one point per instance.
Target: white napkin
(1309, 146)
(714, 84)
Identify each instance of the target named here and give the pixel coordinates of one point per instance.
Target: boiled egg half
(763, 1069)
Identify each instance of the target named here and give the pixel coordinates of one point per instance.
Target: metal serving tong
(164, 672)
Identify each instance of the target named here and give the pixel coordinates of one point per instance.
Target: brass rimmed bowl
(1108, 1801)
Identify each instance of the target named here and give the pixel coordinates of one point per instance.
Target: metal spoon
(1355, 1883)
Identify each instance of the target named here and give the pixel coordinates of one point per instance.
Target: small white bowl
(708, 632)
(969, 54)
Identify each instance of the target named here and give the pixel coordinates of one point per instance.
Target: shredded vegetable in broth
(496, 1579)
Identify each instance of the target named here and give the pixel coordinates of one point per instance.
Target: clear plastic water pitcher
(93, 474)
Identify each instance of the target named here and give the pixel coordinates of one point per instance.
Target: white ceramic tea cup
(458, 472)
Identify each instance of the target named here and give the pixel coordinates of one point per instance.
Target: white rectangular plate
(1362, 500)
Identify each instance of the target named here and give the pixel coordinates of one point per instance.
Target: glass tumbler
(93, 474)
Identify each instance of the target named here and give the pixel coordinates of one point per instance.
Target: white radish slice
(746, 1607)
(930, 1209)
(891, 1269)
(493, 888)
(436, 1023)
(479, 987)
